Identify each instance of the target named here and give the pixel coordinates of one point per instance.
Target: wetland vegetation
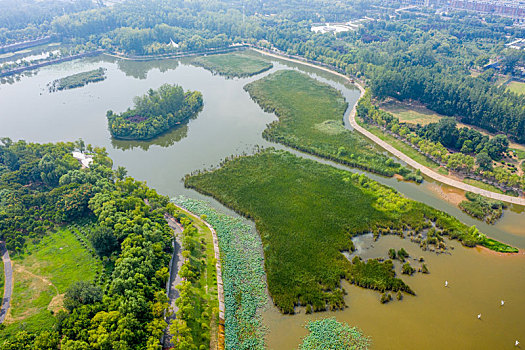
(233, 65)
(78, 80)
(330, 334)
(482, 208)
(243, 276)
(155, 113)
(307, 213)
(311, 120)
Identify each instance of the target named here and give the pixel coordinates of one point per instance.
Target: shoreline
(392, 150)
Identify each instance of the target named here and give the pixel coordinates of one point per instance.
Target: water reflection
(139, 70)
(165, 140)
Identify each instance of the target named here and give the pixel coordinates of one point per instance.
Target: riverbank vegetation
(482, 208)
(463, 150)
(43, 188)
(307, 213)
(331, 334)
(233, 65)
(195, 325)
(78, 80)
(390, 48)
(242, 273)
(155, 113)
(311, 120)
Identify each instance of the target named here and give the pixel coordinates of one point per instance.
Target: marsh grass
(307, 213)
(311, 120)
(233, 65)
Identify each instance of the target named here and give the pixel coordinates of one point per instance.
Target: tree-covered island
(155, 113)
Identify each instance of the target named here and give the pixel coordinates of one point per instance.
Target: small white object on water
(502, 302)
(446, 283)
(516, 343)
(479, 317)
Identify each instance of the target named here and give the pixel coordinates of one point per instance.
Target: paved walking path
(175, 264)
(8, 284)
(426, 171)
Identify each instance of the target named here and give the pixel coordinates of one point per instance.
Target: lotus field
(243, 276)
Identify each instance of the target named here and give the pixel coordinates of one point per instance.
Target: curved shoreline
(398, 154)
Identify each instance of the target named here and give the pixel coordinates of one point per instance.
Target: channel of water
(231, 123)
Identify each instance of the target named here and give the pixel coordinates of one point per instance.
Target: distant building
(508, 8)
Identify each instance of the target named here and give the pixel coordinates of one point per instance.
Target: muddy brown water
(231, 123)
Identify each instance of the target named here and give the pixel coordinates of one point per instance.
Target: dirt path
(8, 284)
(426, 171)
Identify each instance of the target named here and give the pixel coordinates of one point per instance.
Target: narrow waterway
(231, 123)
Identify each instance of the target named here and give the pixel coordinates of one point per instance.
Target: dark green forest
(155, 113)
(420, 55)
(43, 187)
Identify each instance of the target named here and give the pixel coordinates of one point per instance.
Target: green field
(311, 120)
(516, 87)
(306, 214)
(482, 185)
(237, 64)
(41, 276)
(411, 114)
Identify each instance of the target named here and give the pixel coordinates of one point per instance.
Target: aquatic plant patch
(231, 65)
(243, 276)
(331, 334)
(78, 80)
(306, 214)
(311, 120)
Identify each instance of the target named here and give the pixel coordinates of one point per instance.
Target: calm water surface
(230, 123)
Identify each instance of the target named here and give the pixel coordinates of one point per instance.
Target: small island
(233, 65)
(155, 113)
(78, 80)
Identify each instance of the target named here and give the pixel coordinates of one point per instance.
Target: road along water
(231, 123)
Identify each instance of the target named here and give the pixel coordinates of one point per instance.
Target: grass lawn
(307, 213)
(411, 114)
(237, 64)
(517, 87)
(41, 276)
(311, 120)
(482, 185)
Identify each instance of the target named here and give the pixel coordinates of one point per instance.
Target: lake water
(231, 123)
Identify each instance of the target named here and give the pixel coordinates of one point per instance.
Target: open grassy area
(307, 213)
(482, 185)
(411, 114)
(236, 64)
(516, 87)
(311, 120)
(41, 276)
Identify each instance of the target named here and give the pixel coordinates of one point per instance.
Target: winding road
(8, 285)
(411, 162)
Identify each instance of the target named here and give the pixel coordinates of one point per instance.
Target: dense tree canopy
(155, 113)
